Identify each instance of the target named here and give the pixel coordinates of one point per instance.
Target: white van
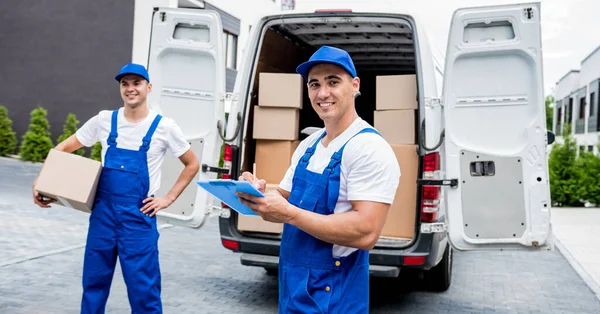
(482, 177)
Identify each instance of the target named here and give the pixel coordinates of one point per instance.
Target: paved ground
(41, 253)
(578, 233)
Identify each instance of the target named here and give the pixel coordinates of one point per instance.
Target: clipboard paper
(225, 191)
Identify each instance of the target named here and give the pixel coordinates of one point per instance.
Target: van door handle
(207, 168)
(449, 182)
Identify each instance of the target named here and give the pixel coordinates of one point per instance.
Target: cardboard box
(395, 92)
(280, 90)
(396, 126)
(273, 158)
(70, 179)
(276, 123)
(400, 221)
(256, 223)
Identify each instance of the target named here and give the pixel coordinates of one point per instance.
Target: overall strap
(337, 156)
(148, 137)
(112, 137)
(311, 150)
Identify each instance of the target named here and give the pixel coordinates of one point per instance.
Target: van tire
(438, 278)
(271, 271)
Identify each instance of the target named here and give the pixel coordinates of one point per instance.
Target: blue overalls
(119, 228)
(311, 280)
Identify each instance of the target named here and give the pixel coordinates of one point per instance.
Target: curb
(591, 283)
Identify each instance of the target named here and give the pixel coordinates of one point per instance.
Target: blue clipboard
(225, 191)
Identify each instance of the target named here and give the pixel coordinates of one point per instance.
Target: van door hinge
(449, 182)
(219, 211)
(434, 102)
(229, 97)
(433, 227)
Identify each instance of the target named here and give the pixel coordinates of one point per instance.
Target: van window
(592, 104)
(230, 43)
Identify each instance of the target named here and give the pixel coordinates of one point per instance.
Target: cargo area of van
(279, 109)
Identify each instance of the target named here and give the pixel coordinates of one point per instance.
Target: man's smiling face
(331, 91)
(134, 90)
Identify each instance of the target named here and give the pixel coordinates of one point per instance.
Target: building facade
(63, 55)
(576, 103)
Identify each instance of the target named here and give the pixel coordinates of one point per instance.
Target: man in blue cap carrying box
(333, 200)
(123, 221)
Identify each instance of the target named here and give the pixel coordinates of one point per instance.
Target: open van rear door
(495, 123)
(187, 70)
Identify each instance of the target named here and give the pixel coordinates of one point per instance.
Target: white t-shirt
(130, 135)
(369, 169)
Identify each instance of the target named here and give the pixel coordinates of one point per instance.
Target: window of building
(581, 149)
(592, 104)
(590, 148)
(230, 43)
(559, 116)
(569, 112)
(582, 108)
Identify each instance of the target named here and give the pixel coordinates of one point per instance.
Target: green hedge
(96, 153)
(69, 128)
(574, 180)
(8, 137)
(36, 142)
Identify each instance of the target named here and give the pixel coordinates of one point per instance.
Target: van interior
(378, 46)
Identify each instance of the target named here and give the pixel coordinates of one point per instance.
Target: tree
(8, 137)
(36, 142)
(69, 129)
(563, 174)
(549, 112)
(587, 168)
(96, 153)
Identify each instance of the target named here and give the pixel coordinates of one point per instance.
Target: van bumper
(384, 262)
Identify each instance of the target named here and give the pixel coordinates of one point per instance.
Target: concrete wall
(577, 85)
(62, 55)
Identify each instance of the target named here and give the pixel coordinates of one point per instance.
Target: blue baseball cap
(133, 68)
(327, 54)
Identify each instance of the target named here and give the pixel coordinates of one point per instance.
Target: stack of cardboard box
(395, 119)
(276, 131)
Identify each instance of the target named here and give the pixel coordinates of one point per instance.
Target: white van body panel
(187, 70)
(465, 86)
(495, 129)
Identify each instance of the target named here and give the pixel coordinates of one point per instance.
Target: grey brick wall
(62, 55)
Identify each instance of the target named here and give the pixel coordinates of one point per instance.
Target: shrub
(69, 129)
(8, 137)
(96, 153)
(563, 175)
(587, 168)
(36, 142)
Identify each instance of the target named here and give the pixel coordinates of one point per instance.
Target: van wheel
(271, 271)
(438, 278)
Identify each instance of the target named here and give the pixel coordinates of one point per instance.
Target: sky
(570, 28)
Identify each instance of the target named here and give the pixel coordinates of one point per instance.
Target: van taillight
(230, 244)
(431, 162)
(227, 153)
(430, 195)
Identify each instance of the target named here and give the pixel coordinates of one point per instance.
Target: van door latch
(207, 168)
(449, 182)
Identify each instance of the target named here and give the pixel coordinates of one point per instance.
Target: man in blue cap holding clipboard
(333, 200)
